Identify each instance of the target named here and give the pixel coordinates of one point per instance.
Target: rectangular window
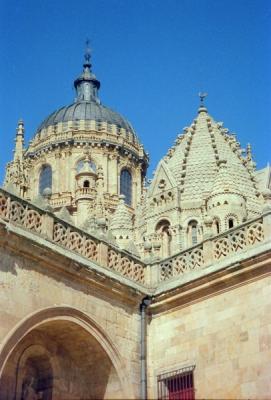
(177, 385)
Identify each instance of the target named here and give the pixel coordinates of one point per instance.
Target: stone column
(207, 243)
(113, 175)
(47, 227)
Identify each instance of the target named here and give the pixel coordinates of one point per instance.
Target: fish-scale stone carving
(212, 178)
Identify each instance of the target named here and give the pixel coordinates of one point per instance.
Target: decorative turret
(226, 204)
(86, 189)
(19, 141)
(121, 226)
(16, 179)
(86, 177)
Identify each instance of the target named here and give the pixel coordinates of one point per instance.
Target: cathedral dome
(86, 112)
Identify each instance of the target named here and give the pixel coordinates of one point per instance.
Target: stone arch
(163, 229)
(34, 372)
(17, 345)
(231, 221)
(193, 231)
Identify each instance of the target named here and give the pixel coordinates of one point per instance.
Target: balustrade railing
(238, 239)
(212, 250)
(20, 212)
(85, 191)
(27, 215)
(187, 260)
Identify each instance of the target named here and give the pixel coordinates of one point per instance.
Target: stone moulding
(97, 249)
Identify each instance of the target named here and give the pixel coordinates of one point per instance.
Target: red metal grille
(177, 385)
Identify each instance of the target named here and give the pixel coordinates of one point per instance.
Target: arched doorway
(34, 374)
(60, 358)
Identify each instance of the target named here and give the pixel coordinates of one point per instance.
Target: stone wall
(227, 337)
(29, 286)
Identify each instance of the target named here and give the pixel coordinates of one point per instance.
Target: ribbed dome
(86, 110)
(87, 105)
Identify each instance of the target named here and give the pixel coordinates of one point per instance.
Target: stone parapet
(20, 212)
(242, 238)
(151, 274)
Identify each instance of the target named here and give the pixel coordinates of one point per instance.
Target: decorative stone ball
(147, 246)
(101, 222)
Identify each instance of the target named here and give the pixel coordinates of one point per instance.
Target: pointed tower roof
(122, 219)
(195, 156)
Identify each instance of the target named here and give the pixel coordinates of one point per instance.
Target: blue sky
(152, 58)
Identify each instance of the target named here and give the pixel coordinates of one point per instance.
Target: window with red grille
(177, 385)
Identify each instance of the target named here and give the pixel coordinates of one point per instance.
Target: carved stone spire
(19, 141)
(121, 226)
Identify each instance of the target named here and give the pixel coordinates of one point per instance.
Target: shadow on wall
(58, 359)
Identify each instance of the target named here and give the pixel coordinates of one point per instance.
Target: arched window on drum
(45, 179)
(126, 185)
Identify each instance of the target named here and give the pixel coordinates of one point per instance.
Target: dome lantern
(87, 85)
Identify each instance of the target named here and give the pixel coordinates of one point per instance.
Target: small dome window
(45, 178)
(86, 184)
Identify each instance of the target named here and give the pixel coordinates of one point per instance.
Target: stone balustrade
(86, 192)
(61, 200)
(215, 249)
(20, 212)
(97, 249)
(181, 263)
(238, 239)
